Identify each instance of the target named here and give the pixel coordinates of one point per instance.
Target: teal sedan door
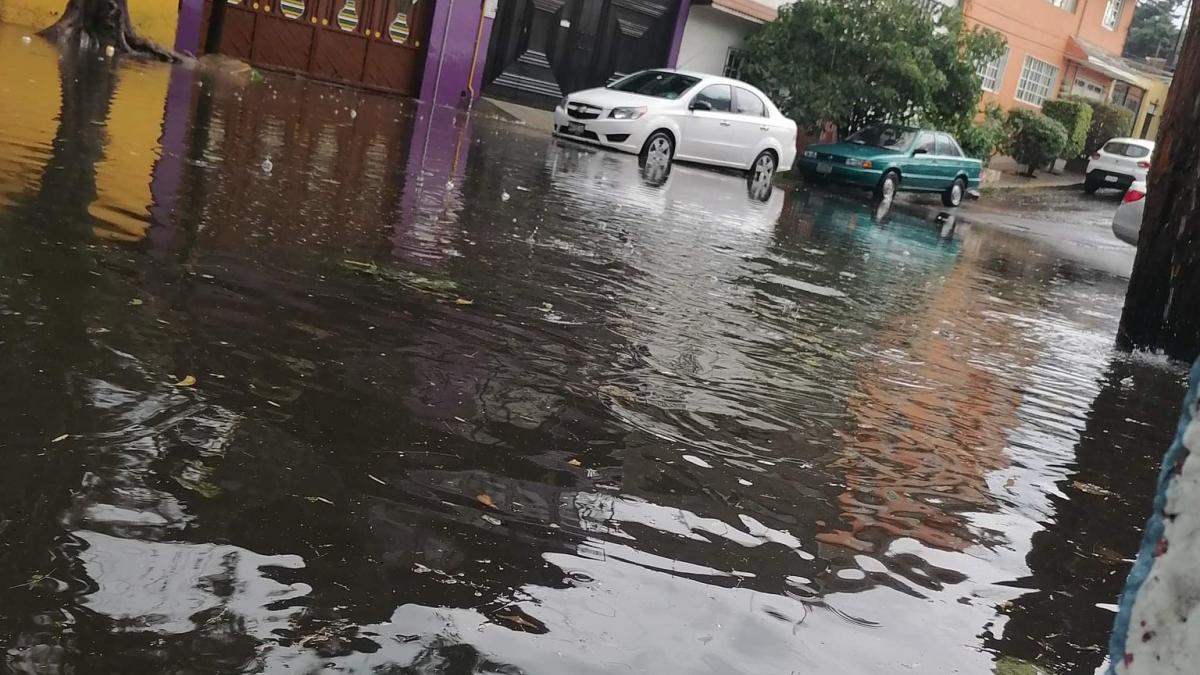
(919, 171)
(949, 161)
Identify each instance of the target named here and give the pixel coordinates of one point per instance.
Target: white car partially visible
(1118, 164)
(1127, 221)
(665, 115)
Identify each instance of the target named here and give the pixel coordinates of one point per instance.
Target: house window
(1037, 79)
(991, 74)
(1068, 5)
(1112, 13)
(734, 59)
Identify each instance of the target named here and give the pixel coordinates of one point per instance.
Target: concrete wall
(155, 19)
(707, 37)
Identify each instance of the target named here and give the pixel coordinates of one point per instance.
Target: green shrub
(1076, 117)
(1033, 139)
(984, 138)
(1108, 121)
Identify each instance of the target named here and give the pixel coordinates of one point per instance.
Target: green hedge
(1076, 117)
(984, 138)
(1108, 121)
(1033, 138)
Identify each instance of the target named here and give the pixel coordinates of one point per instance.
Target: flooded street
(304, 379)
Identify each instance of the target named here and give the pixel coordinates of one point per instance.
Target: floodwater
(301, 379)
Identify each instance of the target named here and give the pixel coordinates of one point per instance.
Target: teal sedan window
(885, 136)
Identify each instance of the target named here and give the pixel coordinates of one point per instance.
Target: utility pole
(1162, 305)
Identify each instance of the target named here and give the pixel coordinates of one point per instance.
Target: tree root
(99, 24)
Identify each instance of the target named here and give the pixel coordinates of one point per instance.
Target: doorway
(542, 49)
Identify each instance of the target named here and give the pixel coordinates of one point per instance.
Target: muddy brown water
(302, 379)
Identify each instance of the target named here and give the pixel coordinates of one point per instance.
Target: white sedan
(662, 115)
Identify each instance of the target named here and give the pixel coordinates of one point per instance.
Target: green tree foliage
(1033, 138)
(983, 138)
(860, 62)
(1076, 118)
(1108, 121)
(1154, 30)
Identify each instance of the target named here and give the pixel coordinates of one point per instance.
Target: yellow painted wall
(155, 19)
(29, 108)
(1156, 92)
(134, 128)
(29, 102)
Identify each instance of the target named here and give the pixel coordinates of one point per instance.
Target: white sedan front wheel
(658, 150)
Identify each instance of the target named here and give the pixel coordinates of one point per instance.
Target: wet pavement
(303, 379)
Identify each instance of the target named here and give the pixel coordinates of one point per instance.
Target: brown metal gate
(372, 43)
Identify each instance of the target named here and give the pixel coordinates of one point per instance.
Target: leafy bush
(1108, 121)
(855, 63)
(1034, 139)
(984, 138)
(1076, 117)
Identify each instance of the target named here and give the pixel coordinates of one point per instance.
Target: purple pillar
(188, 39)
(167, 178)
(677, 37)
(452, 49)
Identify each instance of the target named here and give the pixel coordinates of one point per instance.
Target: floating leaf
(187, 381)
(464, 301)
(486, 500)
(517, 619)
(575, 462)
(61, 438)
(319, 499)
(135, 302)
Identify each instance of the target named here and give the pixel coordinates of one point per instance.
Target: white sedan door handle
(764, 128)
(725, 124)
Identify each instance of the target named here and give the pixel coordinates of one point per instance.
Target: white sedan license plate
(1110, 179)
(824, 168)
(575, 128)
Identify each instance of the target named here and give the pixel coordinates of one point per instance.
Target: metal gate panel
(375, 43)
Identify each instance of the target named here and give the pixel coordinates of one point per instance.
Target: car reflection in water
(748, 201)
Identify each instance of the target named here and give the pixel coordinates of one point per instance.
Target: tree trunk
(1162, 305)
(90, 24)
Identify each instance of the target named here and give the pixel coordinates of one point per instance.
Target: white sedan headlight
(627, 113)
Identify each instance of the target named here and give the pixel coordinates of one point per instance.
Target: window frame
(917, 144)
(738, 92)
(948, 140)
(1112, 11)
(735, 57)
(714, 85)
(1065, 5)
(1026, 78)
(1000, 63)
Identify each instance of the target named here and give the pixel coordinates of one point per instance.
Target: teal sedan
(890, 158)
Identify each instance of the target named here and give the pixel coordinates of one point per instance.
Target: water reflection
(469, 399)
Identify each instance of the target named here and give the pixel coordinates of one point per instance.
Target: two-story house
(1058, 48)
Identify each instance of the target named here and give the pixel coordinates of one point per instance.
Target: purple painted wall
(677, 37)
(187, 35)
(449, 51)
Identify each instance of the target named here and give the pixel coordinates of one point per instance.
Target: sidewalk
(1011, 177)
(534, 118)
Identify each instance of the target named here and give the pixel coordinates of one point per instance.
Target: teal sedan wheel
(953, 195)
(889, 185)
